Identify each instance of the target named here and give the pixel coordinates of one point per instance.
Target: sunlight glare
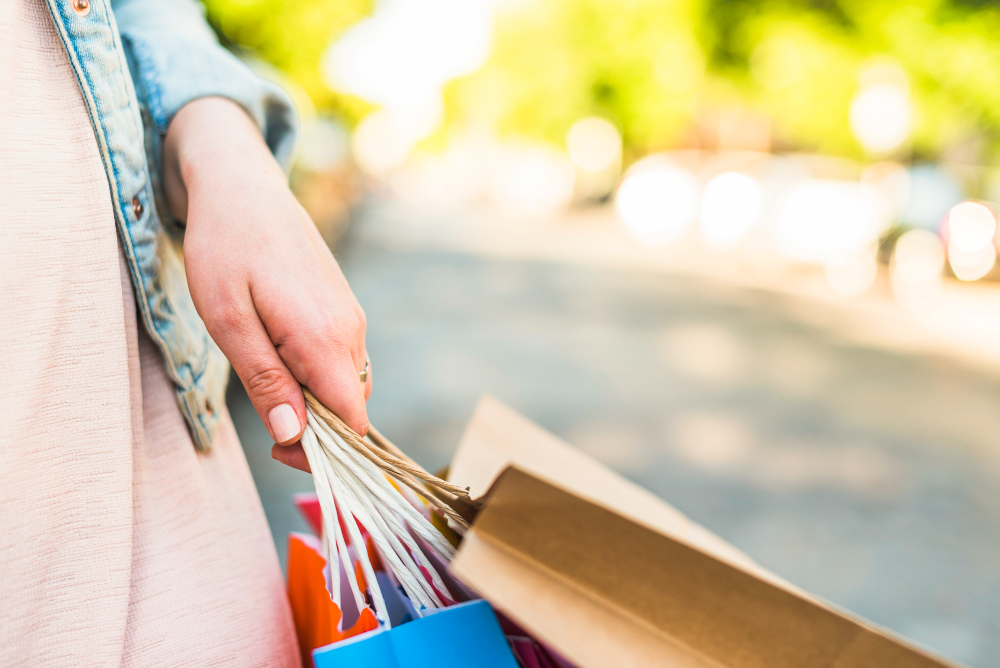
(658, 203)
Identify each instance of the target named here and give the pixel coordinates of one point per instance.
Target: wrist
(210, 141)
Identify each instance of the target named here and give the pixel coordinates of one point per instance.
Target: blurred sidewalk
(850, 446)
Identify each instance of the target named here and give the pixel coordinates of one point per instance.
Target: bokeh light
(916, 267)
(971, 226)
(657, 201)
(594, 145)
(400, 58)
(407, 50)
(826, 219)
(380, 144)
(880, 117)
(881, 112)
(531, 180)
(731, 203)
(971, 265)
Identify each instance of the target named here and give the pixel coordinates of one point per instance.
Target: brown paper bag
(611, 576)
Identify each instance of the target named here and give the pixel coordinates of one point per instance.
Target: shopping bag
(466, 634)
(308, 506)
(359, 484)
(594, 571)
(318, 620)
(467, 629)
(609, 575)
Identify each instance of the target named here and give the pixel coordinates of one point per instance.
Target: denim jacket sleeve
(174, 58)
(133, 79)
(138, 62)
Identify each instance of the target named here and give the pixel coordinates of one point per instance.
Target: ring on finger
(363, 374)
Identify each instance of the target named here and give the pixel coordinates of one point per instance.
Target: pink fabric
(119, 543)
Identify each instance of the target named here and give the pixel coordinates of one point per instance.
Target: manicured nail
(284, 422)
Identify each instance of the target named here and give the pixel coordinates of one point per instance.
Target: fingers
(272, 388)
(333, 378)
(317, 349)
(334, 274)
(320, 346)
(291, 455)
(294, 455)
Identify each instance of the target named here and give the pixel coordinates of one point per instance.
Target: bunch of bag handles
(350, 476)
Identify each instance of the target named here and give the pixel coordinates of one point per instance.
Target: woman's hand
(262, 278)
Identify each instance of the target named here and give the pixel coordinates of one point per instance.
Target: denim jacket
(138, 62)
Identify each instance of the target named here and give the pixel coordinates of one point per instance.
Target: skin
(262, 278)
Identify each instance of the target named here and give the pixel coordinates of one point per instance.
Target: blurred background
(742, 252)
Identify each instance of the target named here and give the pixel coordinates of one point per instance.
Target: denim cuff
(169, 70)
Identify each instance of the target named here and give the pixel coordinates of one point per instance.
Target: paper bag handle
(394, 462)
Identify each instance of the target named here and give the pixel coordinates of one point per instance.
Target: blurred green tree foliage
(292, 36)
(667, 70)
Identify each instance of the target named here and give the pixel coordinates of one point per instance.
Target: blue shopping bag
(466, 634)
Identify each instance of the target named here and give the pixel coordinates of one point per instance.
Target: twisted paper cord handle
(391, 460)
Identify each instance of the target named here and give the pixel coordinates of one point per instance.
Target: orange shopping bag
(317, 617)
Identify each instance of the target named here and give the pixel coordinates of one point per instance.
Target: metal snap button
(136, 204)
(209, 408)
(81, 7)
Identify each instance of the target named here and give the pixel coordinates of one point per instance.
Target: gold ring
(363, 375)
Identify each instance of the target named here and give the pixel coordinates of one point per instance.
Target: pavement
(849, 447)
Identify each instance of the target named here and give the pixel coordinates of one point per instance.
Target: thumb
(273, 390)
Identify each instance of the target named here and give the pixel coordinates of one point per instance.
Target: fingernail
(284, 422)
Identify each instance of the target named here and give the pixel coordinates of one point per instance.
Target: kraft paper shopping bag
(607, 574)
